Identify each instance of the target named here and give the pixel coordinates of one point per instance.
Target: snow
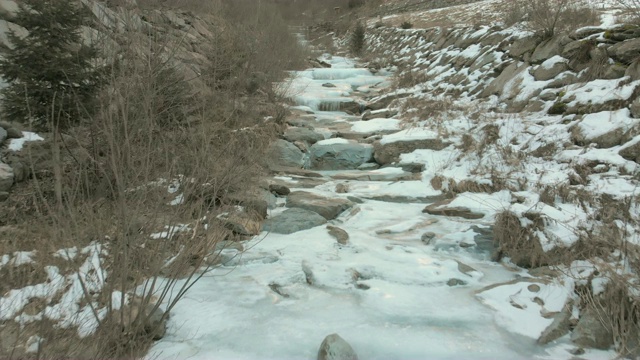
(409, 134)
(17, 144)
(374, 125)
(598, 124)
(334, 141)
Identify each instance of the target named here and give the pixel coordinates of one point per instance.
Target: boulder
(383, 101)
(334, 347)
(240, 223)
(3, 135)
(6, 177)
(559, 327)
(614, 71)
(294, 134)
(631, 150)
(390, 152)
(339, 154)
(550, 69)
(627, 51)
(293, 220)
(523, 45)
(329, 208)
(549, 48)
(377, 114)
(591, 332)
(605, 129)
(283, 153)
(279, 189)
(442, 208)
(340, 235)
(498, 84)
(633, 70)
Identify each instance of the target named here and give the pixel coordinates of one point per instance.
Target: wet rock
(6, 177)
(428, 237)
(279, 189)
(339, 234)
(339, 154)
(456, 282)
(590, 332)
(559, 327)
(293, 220)
(441, 208)
(303, 134)
(329, 208)
(334, 347)
(388, 153)
(284, 153)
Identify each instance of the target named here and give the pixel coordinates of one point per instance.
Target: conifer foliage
(50, 74)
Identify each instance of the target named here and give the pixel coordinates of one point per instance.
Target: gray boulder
(614, 71)
(339, 154)
(547, 72)
(283, 153)
(293, 220)
(626, 51)
(6, 177)
(334, 347)
(549, 48)
(523, 45)
(3, 135)
(633, 70)
(294, 134)
(329, 208)
(591, 332)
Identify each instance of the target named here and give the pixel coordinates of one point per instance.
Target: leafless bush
(549, 17)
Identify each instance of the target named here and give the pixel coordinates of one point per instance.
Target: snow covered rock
(591, 332)
(293, 220)
(442, 208)
(284, 153)
(606, 129)
(6, 177)
(550, 68)
(294, 134)
(339, 154)
(389, 152)
(329, 208)
(559, 327)
(334, 347)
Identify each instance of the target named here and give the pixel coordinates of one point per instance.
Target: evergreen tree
(50, 74)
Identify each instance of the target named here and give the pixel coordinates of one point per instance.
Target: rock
(375, 175)
(627, 51)
(293, 220)
(427, 237)
(284, 153)
(329, 85)
(548, 95)
(6, 177)
(465, 269)
(559, 327)
(12, 132)
(497, 86)
(563, 80)
(388, 153)
(355, 200)
(153, 317)
(523, 45)
(534, 288)
(327, 207)
(284, 170)
(240, 223)
(342, 188)
(607, 134)
(4, 195)
(614, 71)
(384, 101)
(549, 48)
(631, 150)
(294, 134)
(441, 208)
(369, 166)
(590, 332)
(586, 32)
(256, 200)
(456, 282)
(279, 189)
(339, 154)
(549, 70)
(334, 347)
(340, 235)
(3, 135)
(377, 114)
(633, 70)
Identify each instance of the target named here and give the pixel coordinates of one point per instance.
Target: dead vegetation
(128, 213)
(549, 17)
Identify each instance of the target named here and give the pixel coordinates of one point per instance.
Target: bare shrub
(631, 9)
(549, 17)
